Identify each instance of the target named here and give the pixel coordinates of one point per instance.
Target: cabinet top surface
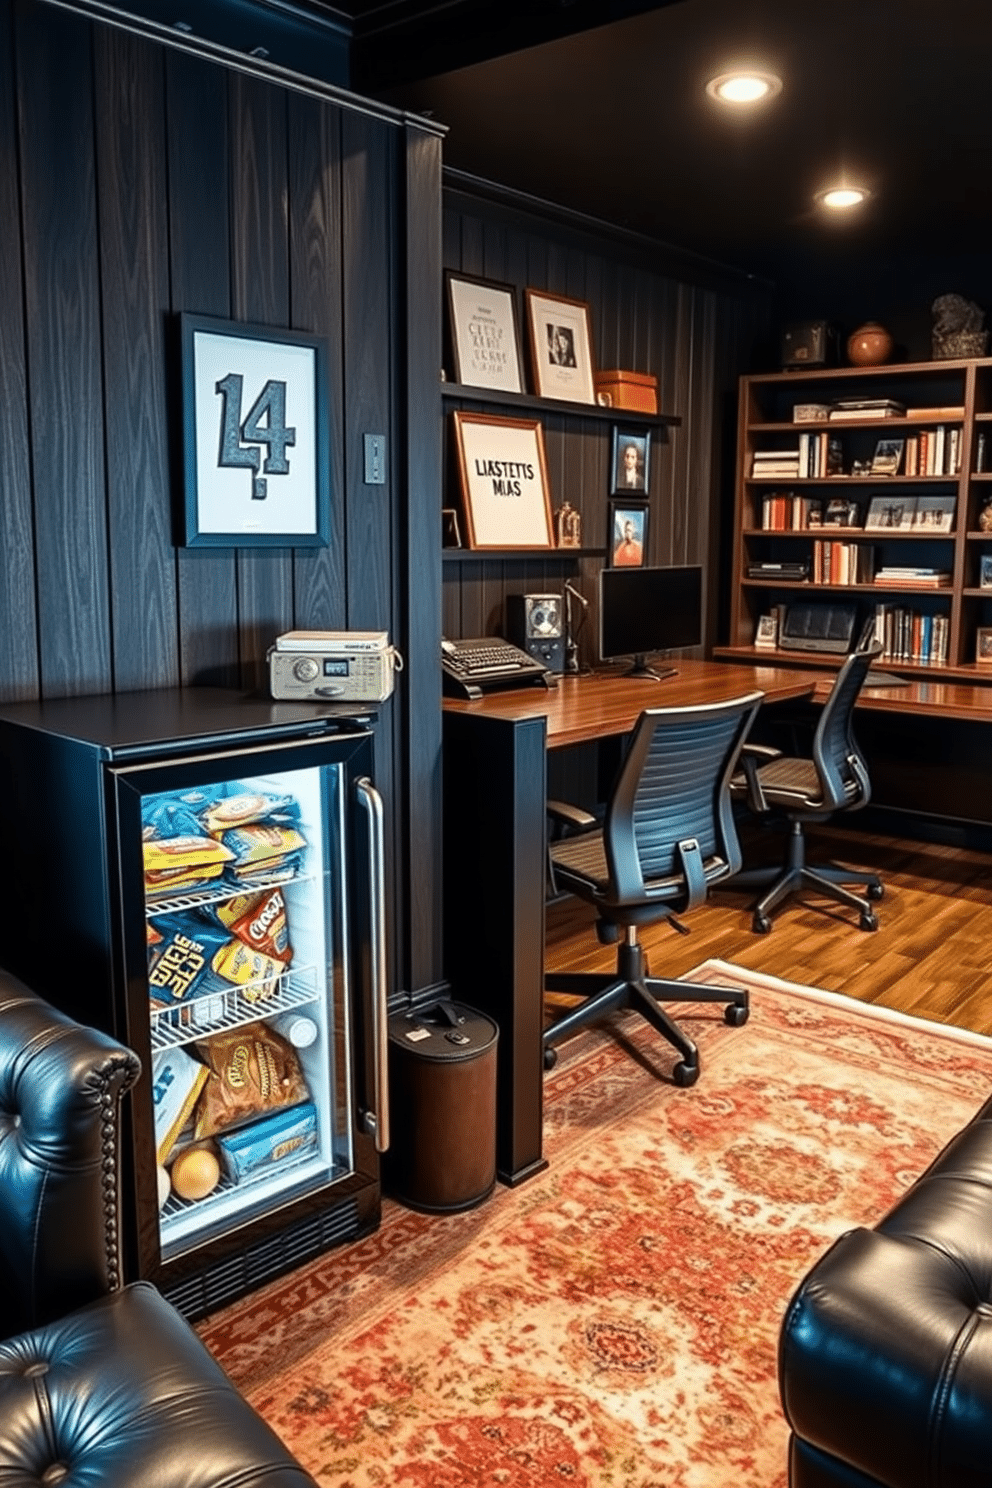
(890, 369)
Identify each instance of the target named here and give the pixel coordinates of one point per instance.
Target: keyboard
(471, 666)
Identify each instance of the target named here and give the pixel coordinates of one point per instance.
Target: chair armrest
(762, 754)
(60, 1091)
(574, 817)
(752, 757)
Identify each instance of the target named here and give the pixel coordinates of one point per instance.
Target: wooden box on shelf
(637, 391)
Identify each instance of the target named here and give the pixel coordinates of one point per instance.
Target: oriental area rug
(614, 1320)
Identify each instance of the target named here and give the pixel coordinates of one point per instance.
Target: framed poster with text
(485, 339)
(504, 481)
(255, 436)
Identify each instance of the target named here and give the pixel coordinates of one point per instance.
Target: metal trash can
(442, 1094)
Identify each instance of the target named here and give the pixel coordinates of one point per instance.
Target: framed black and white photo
(985, 571)
(504, 481)
(485, 336)
(628, 535)
(560, 334)
(629, 474)
(255, 435)
(983, 645)
(887, 457)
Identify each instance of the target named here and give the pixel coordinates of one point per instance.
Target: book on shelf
(980, 447)
(784, 511)
(945, 411)
(909, 635)
(913, 577)
(836, 562)
(869, 408)
(775, 463)
(787, 570)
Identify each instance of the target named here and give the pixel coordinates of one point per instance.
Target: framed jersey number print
(255, 435)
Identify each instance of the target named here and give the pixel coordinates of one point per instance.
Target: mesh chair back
(839, 762)
(674, 785)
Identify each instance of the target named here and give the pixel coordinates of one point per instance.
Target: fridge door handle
(376, 1121)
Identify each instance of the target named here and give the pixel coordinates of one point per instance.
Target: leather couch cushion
(123, 1392)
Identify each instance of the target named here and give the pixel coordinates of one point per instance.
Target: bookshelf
(817, 521)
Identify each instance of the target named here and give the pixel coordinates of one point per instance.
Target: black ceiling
(613, 120)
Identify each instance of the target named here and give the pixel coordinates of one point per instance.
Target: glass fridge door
(246, 924)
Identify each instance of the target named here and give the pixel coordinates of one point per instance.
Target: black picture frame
(627, 536)
(256, 435)
(627, 478)
(484, 345)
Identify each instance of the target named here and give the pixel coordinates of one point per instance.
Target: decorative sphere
(870, 345)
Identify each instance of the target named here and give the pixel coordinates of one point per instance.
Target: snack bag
(256, 974)
(182, 862)
(177, 1080)
(259, 920)
(240, 805)
(263, 850)
(252, 1071)
(179, 963)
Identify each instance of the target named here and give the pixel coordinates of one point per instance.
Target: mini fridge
(200, 873)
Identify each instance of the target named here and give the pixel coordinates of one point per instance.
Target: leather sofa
(886, 1348)
(99, 1383)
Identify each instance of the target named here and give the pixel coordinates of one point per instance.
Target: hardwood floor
(929, 957)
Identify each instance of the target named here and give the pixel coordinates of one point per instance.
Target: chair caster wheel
(761, 924)
(876, 891)
(869, 921)
(735, 1016)
(685, 1075)
(550, 1057)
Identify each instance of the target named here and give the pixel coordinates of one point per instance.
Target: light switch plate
(375, 459)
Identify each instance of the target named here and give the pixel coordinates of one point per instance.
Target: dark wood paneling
(199, 251)
(316, 305)
(65, 393)
(133, 195)
(18, 631)
(421, 685)
(260, 283)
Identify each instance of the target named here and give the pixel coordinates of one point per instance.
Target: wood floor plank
(929, 957)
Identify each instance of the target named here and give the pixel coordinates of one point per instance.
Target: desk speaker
(535, 623)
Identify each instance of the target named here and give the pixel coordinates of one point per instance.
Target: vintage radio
(348, 666)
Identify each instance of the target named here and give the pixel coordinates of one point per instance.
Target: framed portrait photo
(485, 336)
(255, 436)
(628, 535)
(504, 481)
(560, 332)
(629, 473)
(983, 645)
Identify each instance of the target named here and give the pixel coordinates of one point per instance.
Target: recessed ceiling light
(744, 85)
(842, 198)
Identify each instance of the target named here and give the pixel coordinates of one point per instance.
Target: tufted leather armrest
(60, 1087)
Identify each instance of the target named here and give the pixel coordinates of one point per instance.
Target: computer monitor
(644, 610)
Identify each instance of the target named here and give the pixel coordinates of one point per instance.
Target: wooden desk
(494, 851)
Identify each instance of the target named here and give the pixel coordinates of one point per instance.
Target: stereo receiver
(348, 666)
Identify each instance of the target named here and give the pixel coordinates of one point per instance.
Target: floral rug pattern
(613, 1321)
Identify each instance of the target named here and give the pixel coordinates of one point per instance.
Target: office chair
(668, 835)
(834, 778)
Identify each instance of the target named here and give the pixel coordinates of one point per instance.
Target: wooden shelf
(561, 555)
(765, 422)
(455, 392)
(829, 661)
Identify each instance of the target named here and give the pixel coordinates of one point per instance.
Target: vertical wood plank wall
(138, 180)
(695, 338)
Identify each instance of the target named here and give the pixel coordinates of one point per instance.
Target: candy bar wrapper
(177, 1080)
(261, 846)
(239, 805)
(256, 974)
(283, 1137)
(182, 862)
(260, 921)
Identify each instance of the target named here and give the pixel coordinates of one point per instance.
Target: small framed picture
(890, 514)
(887, 457)
(504, 481)
(934, 513)
(983, 645)
(985, 571)
(560, 333)
(629, 474)
(256, 459)
(628, 537)
(485, 336)
(451, 532)
(766, 633)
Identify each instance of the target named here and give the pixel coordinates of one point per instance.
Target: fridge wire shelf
(176, 1208)
(229, 1008)
(167, 904)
